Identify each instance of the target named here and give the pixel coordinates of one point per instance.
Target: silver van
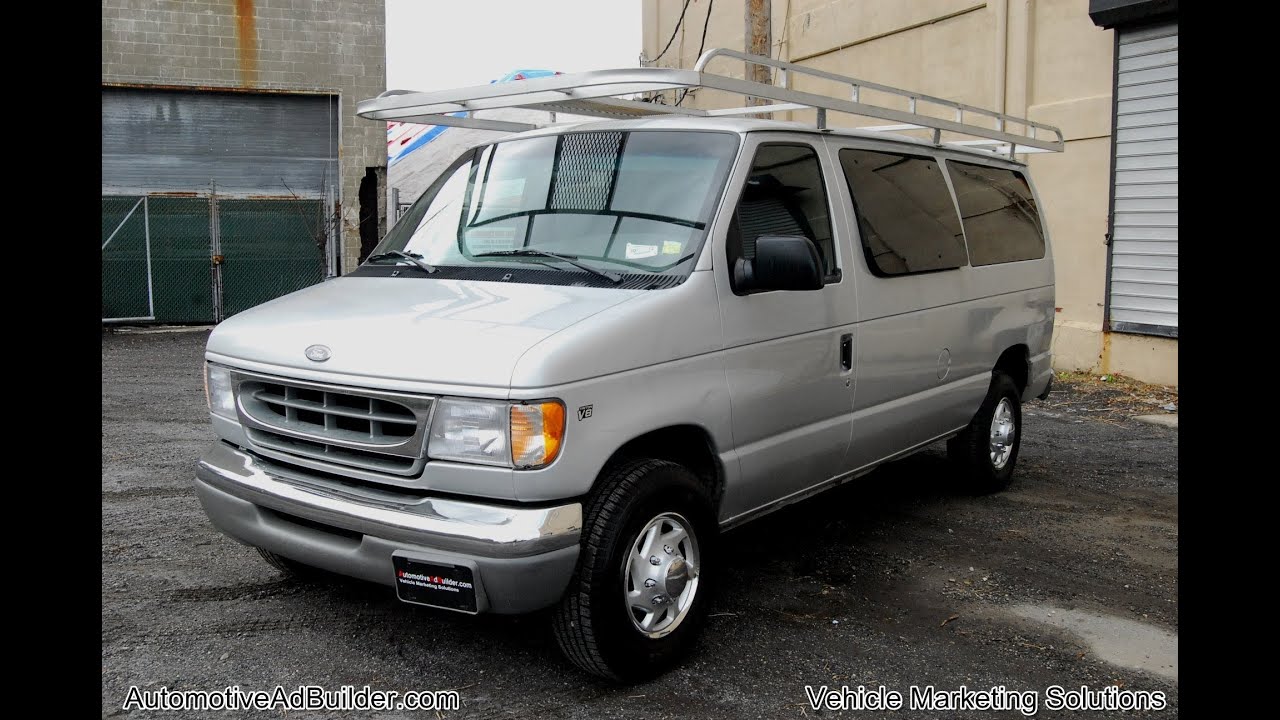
(588, 349)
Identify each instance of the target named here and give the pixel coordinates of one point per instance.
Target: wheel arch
(1015, 362)
(686, 444)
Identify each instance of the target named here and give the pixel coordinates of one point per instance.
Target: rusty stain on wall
(247, 36)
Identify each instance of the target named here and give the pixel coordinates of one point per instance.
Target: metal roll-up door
(214, 201)
(1143, 292)
(250, 144)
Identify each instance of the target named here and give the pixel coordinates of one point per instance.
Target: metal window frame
(597, 94)
(1111, 179)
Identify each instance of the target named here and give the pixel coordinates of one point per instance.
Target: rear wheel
(638, 596)
(987, 450)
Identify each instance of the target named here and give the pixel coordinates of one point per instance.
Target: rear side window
(784, 195)
(1000, 217)
(906, 218)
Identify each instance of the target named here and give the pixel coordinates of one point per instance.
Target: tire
(972, 449)
(595, 625)
(292, 568)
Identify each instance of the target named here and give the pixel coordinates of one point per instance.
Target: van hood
(458, 332)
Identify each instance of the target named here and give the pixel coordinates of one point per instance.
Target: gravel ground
(894, 579)
(1109, 398)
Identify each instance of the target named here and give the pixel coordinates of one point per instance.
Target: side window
(999, 212)
(906, 218)
(784, 195)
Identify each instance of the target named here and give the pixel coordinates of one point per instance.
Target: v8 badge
(584, 412)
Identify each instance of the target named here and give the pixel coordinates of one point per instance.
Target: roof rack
(597, 94)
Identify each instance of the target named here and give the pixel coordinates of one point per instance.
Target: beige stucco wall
(1043, 59)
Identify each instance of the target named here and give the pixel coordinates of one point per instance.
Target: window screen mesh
(585, 176)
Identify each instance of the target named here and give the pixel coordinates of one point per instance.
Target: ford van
(587, 350)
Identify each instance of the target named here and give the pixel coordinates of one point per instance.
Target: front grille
(371, 430)
(354, 418)
(327, 452)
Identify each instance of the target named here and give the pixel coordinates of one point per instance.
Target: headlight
(217, 391)
(497, 433)
(470, 431)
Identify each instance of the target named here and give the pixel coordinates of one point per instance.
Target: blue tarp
(404, 138)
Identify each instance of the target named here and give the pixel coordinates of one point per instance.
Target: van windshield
(621, 201)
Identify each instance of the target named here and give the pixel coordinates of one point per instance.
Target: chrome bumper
(521, 558)
(485, 530)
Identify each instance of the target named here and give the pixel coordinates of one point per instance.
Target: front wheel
(987, 450)
(638, 596)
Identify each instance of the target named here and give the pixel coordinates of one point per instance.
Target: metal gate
(214, 201)
(202, 259)
(128, 282)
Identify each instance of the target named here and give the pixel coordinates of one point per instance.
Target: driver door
(788, 354)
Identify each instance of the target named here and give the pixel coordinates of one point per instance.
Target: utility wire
(701, 44)
(674, 31)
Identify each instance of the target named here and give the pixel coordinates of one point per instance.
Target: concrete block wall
(329, 46)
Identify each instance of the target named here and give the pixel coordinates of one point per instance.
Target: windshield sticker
(637, 252)
(489, 239)
(671, 247)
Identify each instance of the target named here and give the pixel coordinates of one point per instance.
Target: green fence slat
(124, 260)
(180, 251)
(270, 248)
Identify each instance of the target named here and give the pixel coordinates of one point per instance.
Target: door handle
(846, 351)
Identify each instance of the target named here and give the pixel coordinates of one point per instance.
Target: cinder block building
(1104, 71)
(234, 168)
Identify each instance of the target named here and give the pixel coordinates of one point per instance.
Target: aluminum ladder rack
(613, 94)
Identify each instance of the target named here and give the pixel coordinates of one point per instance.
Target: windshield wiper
(414, 258)
(571, 259)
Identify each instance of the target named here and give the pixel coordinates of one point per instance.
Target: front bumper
(522, 557)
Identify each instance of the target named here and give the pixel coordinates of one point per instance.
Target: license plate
(444, 586)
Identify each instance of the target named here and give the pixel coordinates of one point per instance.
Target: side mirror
(782, 262)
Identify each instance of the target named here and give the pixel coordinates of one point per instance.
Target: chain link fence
(127, 288)
(201, 259)
(269, 248)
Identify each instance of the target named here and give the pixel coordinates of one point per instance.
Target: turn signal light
(537, 431)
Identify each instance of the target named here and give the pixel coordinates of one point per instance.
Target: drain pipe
(1002, 52)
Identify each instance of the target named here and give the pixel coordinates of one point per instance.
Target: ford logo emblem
(319, 353)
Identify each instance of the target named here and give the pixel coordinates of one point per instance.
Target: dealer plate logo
(319, 353)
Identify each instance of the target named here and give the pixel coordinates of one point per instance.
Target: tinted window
(784, 195)
(905, 214)
(1000, 217)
